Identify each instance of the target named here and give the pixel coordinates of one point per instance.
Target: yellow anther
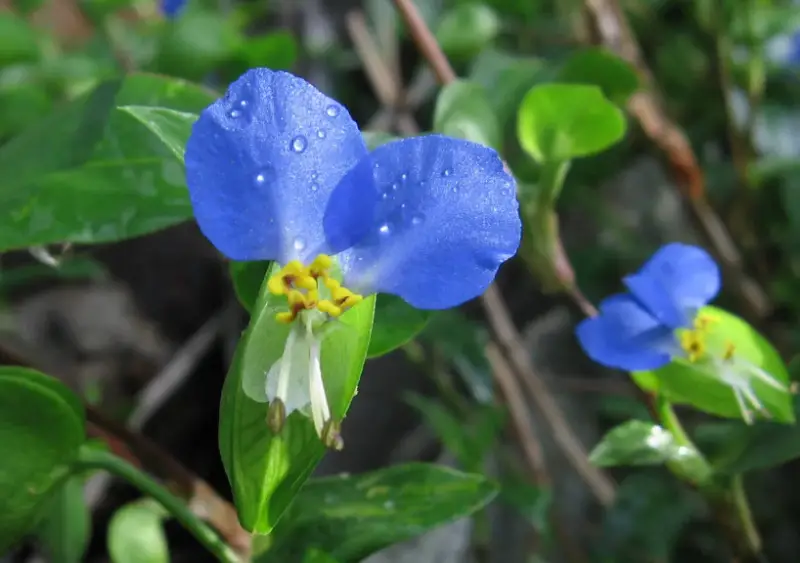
(296, 299)
(693, 344)
(320, 265)
(340, 294)
(332, 284)
(305, 282)
(352, 300)
(329, 308)
(286, 317)
(293, 268)
(276, 285)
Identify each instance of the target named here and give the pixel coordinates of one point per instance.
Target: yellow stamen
(300, 284)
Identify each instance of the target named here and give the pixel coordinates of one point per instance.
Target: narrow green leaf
(352, 517)
(42, 423)
(67, 524)
(396, 322)
(89, 173)
(171, 127)
(600, 67)
(559, 122)
(267, 470)
(463, 111)
(136, 534)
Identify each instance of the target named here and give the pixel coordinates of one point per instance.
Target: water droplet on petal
(384, 196)
(321, 134)
(332, 111)
(455, 189)
(299, 143)
(314, 187)
(243, 103)
(417, 219)
(265, 176)
(395, 187)
(385, 229)
(299, 244)
(403, 176)
(314, 175)
(377, 165)
(446, 172)
(234, 113)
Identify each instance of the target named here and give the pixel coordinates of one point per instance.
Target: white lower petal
(288, 378)
(320, 411)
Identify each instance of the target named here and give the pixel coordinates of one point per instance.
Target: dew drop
(299, 143)
(417, 220)
(234, 113)
(384, 196)
(314, 175)
(243, 103)
(314, 187)
(404, 176)
(299, 244)
(455, 189)
(332, 111)
(321, 134)
(385, 229)
(395, 187)
(446, 172)
(265, 176)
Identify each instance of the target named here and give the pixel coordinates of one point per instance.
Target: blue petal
(626, 336)
(262, 162)
(431, 219)
(675, 282)
(172, 8)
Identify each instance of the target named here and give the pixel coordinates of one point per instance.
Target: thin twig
(518, 409)
(499, 317)
(615, 33)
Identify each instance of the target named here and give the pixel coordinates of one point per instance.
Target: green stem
(692, 467)
(745, 516)
(93, 459)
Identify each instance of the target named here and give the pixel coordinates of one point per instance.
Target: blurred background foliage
(94, 288)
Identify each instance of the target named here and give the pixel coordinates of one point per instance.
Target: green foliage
(136, 534)
(41, 422)
(267, 470)
(559, 122)
(466, 29)
(18, 40)
(91, 174)
(66, 527)
(353, 517)
(396, 322)
(463, 111)
(598, 67)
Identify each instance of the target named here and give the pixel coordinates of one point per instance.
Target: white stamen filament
(320, 412)
(282, 392)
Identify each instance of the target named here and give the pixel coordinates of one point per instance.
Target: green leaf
(277, 50)
(463, 111)
(763, 445)
(267, 470)
(171, 127)
(352, 517)
(247, 278)
(396, 322)
(638, 443)
(559, 122)
(599, 67)
(67, 525)
(136, 534)
(684, 382)
(42, 423)
(317, 556)
(197, 43)
(466, 29)
(18, 41)
(27, 6)
(89, 173)
(21, 105)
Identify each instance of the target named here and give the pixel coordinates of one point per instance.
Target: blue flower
(172, 8)
(660, 320)
(278, 171)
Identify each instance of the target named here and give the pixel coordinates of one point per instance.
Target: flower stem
(93, 459)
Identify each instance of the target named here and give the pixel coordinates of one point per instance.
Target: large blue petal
(676, 281)
(626, 336)
(431, 219)
(262, 162)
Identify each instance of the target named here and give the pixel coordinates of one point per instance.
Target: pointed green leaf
(89, 173)
(352, 517)
(463, 111)
(559, 122)
(171, 127)
(683, 382)
(42, 423)
(396, 322)
(267, 470)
